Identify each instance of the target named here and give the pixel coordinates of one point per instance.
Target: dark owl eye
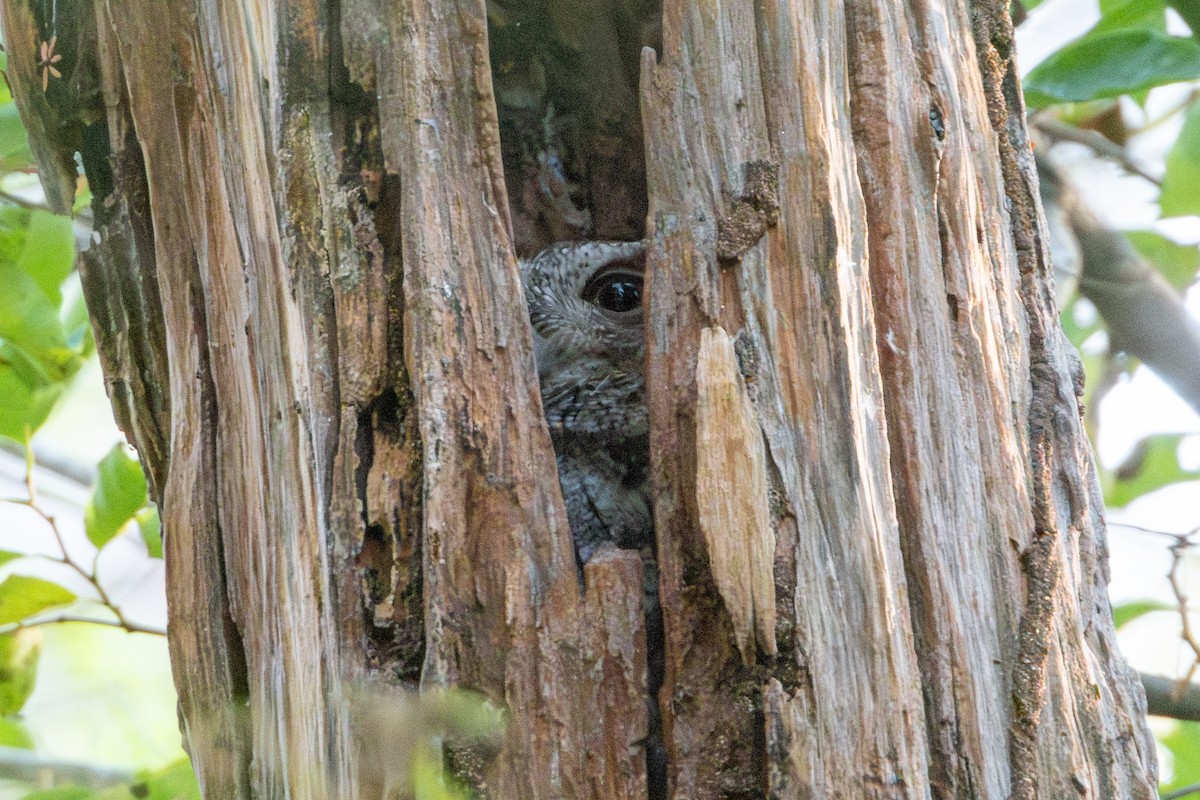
(615, 291)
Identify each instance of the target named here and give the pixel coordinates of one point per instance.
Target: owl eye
(615, 291)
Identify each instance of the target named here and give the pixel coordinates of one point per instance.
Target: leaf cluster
(45, 338)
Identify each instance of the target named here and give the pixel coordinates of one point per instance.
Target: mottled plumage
(585, 304)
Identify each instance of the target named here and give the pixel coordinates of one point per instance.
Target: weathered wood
(734, 515)
(951, 340)
(846, 682)
(1091, 730)
(237, 334)
(881, 553)
(500, 586)
(933, 334)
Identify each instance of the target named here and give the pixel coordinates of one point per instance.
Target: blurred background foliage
(86, 704)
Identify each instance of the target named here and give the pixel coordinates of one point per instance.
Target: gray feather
(593, 392)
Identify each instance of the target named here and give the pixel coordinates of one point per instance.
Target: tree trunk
(879, 532)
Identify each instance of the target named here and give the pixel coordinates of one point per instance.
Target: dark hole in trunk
(566, 83)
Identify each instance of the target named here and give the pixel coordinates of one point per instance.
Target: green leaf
(1184, 744)
(176, 781)
(1178, 263)
(22, 596)
(1179, 191)
(14, 144)
(5, 94)
(150, 527)
(74, 317)
(36, 255)
(8, 555)
(430, 781)
(1153, 464)
(119, 494)
(29, 319)
(40, 243)
(62, 793)
(13, 734)
(1190, 13)
(1122, 14)
(49, 253)
(83, 199)
(27, 394)
(1112, 63)
(19, 652)
(1125, 613)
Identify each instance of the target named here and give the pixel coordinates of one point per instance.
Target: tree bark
(879, 531)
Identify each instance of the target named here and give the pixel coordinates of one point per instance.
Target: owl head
(585, 303)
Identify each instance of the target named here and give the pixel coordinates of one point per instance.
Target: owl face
(585, 303)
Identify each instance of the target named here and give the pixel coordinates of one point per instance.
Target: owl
(585, 303)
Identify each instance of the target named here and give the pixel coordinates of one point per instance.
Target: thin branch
(59, 464)
(1184, 792)
(1185, 628)
(91, 576)
(1168, 114)
(129, 627)
(1179, 698)
(1061, 131)
(1166, 697)
(17, 200)
(33, 767)
(1180, 544)
(1144, 315)
(1156, 532)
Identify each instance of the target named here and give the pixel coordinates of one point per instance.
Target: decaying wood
(925, 272)
(1107, 736)
(846, 682)
(500, 586)
(733, 515)
(879, 534)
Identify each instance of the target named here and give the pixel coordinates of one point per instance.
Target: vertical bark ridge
(802, 304)
(948, 326)
(503, 606)
(1111, 753)
(222, 263)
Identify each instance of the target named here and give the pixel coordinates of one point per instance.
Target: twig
(1155, 532)
(16, 199)
(1185, 633)
(91, 576)
(129, 627)
(1182, 105)
(1184, 792)
(65, 558)
(1181, 543)
(1057, 129)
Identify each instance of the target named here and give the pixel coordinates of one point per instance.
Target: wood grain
(880, 542)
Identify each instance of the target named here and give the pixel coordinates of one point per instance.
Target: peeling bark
(733, 515)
